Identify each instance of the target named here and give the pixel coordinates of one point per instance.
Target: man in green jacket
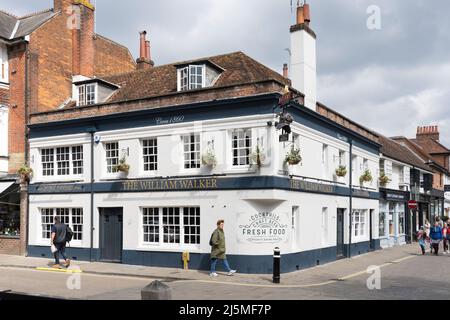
(218, 250)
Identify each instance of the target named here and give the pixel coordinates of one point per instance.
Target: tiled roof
(12, 27)
(238, 69)
(399, 152)
(430, 145)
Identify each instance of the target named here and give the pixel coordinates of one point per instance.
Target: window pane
(112, 156)
(47, 159)
(150, 152)
(191, 151)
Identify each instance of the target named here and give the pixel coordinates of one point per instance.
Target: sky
(390, 79)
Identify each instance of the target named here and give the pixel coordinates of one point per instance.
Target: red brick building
(40, 56)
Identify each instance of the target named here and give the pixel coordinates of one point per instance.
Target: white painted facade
(4, 65)
(303, 66)
(393, 214)
(308, 219)
(3, 140)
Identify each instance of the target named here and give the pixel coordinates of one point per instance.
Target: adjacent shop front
(9, 217)
(393, 223)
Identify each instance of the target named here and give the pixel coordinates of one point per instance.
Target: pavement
(404, 272)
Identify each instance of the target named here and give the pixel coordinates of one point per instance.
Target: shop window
(241, 147)
(401, 223)
(191, 151)
(391, 219)
(10, 212)
(72, 217)
(171, 226)
(382, 224)
(359, 223)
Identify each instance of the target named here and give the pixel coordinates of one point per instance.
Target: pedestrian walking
(446, 236)
(61, 234)
(422, 237)
(436, 237)
(218, 250)
(427, 227)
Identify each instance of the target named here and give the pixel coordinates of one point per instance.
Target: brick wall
(9, 246)
(4, 96)
(150, 103)
(50, 67)
(16, 123)
(111, 58)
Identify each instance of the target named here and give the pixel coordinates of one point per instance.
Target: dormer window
(198, 75)
(87, 94)
(191, 77)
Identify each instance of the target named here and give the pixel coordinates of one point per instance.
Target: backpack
(69, 234)
(211, 240)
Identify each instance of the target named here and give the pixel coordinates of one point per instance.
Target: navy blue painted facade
(201, 184)
(244, 263)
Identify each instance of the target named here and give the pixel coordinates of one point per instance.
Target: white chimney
(303, 57)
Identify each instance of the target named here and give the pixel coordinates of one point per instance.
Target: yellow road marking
(60, 270)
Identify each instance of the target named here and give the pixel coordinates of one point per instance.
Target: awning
(5, 186)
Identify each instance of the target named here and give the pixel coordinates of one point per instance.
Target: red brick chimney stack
(300, 15)
(426, 132)
(285, 71)
(307, 13)
(144, 61)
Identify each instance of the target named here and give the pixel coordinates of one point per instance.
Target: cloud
(392, 79)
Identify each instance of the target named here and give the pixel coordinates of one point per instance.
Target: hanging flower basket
(25, 172)
(257, 157)
(209, 159)
(293, 158)
(366, 177)
(341, 172)
(384, 180)
(123, 166)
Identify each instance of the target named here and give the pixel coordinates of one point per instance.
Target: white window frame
(359, 224)
(185, 72)
(82, 98)
(343, 158)
(232, 149)
(105, 154)
(4, 64)
(183, 152)
(142, 157)
(70, 210)
(325, 225)
(71, 160)
(170, 246)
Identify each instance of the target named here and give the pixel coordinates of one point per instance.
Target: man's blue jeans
(61, 249)
(214, 263)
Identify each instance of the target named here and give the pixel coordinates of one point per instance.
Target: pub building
(143, 174)
(397, 223)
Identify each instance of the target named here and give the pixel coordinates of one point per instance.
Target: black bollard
(276, 265)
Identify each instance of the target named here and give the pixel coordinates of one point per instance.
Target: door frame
(340, 211)
(119, 212)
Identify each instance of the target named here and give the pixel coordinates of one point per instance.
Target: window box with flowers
(366, 177)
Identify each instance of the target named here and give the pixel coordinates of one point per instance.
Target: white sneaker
(445, 252)
(213, 275)
(232, 272)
